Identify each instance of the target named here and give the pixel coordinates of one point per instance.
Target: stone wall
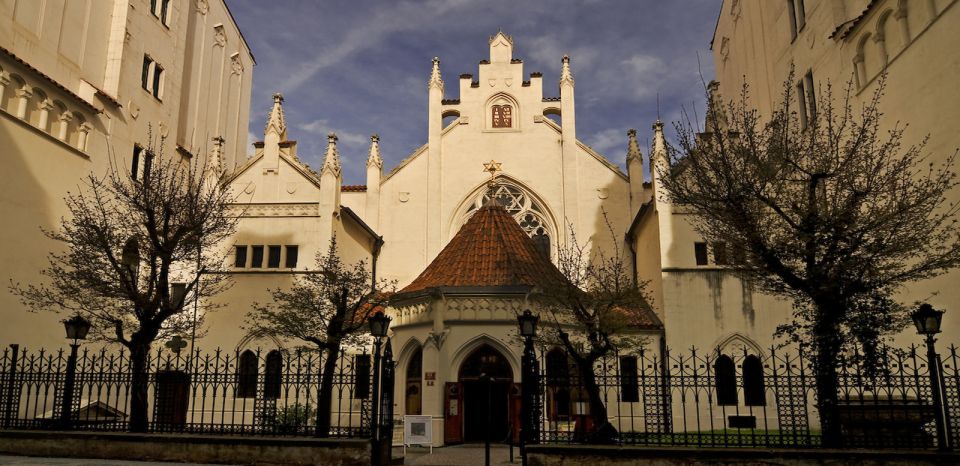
(187, 448)
(576, 455)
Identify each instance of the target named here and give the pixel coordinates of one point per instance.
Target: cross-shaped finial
(176, 344)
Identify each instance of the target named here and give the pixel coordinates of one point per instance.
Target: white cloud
(608, 141)
(322, 127)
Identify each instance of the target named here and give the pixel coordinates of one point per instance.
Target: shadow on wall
(39, 171)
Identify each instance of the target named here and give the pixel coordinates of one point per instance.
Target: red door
(453, 412)
(515, 411)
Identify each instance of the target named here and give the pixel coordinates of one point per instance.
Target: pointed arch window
(527, 211)
(725, 379)
(273, 377)
(753, 385)
(247, 372)
(414, 383)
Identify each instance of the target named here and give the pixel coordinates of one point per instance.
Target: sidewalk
(459, 455)
(35, 461)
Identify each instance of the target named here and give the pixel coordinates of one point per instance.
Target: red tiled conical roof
(490, 250)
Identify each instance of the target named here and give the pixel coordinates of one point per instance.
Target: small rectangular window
(273, 257)
(164, 11)
(145, 74)
(361, 389)
(629, 383)
(157, 81)
(802, 105)
(257, 259)
(135, 165)
(240, 257)
(811, 95)
(792, 14)
(292, 253)
(801, 13)
(739, 256)
(147, 163)
(720, 253)
(700, 251)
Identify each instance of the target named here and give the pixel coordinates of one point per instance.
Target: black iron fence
(745, 399)
(245, 393)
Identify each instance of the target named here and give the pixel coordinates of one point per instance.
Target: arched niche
(554, 114)
(527, 208)
(478, 341)
(501, 113)
(449, 116)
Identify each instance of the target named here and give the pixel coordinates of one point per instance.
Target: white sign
(417, 430)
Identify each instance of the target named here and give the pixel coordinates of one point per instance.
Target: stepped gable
(490, 250)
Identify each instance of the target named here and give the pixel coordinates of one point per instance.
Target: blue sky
(358, 67)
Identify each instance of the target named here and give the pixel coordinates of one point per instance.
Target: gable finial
(566, 77)
(331, 161)
(633, 148)
(374, 159)
(275, 120)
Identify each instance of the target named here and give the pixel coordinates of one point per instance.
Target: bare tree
(327, 308)
(595, 309)
(824, 208)
(126, 241)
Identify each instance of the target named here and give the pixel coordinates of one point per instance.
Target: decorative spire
(659, 143)
(435, 79)
(566, 77)
(374, 158)
(276, 121)
(633, 149)
(331, 161)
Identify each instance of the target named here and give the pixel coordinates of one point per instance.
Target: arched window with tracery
(524, 208)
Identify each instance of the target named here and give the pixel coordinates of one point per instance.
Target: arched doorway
(414, 383)
(482, 398)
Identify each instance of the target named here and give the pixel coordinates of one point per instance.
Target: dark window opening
(273, 379)
(739, 255)
(292, 252)
(725, 378)
(720, 253)
(542, 241)
(361, 389)
(629, 382)
(257, 261)
(811, 95)
(754, 391)
(157, 75)
(273, 257)
(802, 105)
(145, 74)
(147, 164)
(700, 251)
(247, 375)
(135, 165)
(240, 256)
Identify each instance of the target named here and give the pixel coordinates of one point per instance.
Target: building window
(725, 378)
(811, 95)
(720, 253)
(240, 256)
(247, 375)
(739, 255)
(361, 387)
(798, 17)
(273, 257)
(273, 376)
(135, 166)
(700, 252)
(629, 383)
(161, 10)
(292, 253)
(151, 77)
(257, 259)
(502, 116)
(802, 105)
(754, 391)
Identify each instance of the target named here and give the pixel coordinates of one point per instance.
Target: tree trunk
(827, 347)
(603, 432)
(139, 386)
(325, 395)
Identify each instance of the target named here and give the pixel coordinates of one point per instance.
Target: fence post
(11, 381)
(386, 407)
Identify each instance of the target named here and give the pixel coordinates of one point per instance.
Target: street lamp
(77, 328)
(379, 324)
(529, 383)
(927, 320)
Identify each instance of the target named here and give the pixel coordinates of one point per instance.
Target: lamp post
(77, 328)
(927, 320)
(379, 323)
(529, 383)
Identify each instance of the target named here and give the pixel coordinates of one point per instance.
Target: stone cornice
(293, 209)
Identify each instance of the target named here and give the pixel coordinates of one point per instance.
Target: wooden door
(453, 413)
(515, 410)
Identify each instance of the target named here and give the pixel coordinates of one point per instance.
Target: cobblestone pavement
(34, 461)
(460, 455)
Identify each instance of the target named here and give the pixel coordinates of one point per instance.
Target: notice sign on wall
(417, 430)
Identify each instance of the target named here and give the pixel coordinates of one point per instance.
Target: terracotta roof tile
(489, 250)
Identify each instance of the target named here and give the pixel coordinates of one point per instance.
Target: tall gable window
(529, 214)
(502, 116)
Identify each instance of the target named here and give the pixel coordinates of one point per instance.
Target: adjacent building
(86, 84)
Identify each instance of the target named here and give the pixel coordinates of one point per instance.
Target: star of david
(492, 167)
